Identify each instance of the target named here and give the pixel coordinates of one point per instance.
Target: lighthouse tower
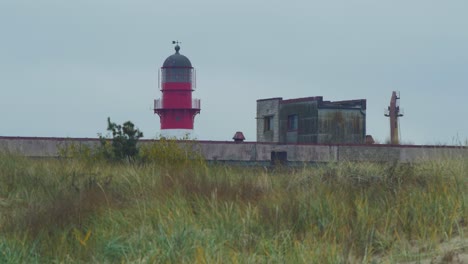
(176, 108)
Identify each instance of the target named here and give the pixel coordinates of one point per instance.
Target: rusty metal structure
(393, 112)
(311, 120)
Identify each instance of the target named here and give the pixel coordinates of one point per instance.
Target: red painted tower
(176, 108)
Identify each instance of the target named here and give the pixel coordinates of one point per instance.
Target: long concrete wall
(225, 151)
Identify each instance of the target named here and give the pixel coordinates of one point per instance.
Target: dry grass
(179, 209)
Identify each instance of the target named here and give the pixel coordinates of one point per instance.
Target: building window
(292, 122)
(268, 123)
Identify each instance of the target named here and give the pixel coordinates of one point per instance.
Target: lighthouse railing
(158, 104)
(195, 103)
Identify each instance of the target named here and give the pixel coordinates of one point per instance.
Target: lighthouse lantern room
(176, 108)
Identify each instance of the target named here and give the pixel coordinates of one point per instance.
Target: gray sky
(65, 66)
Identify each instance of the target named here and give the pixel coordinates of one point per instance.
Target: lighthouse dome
(177, 60)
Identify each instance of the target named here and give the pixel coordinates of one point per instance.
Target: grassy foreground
(72, 211)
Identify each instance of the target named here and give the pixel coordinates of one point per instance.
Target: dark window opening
(292, 122)
(268, 123)
(279, 158)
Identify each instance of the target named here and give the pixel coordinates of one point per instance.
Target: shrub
(122, 145)
(124, 141)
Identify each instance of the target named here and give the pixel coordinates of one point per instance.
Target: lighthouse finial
(177, 47)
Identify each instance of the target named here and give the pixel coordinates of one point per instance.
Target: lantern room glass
(176, 75)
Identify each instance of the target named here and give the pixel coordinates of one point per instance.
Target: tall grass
(174, 208)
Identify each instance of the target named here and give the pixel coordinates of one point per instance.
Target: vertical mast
(393, 112)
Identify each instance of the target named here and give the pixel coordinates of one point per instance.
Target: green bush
(123, 143)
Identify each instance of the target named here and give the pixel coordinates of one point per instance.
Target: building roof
(269, 99)
(357, 103)
(303, 99)
(177, 60)
(347, 104)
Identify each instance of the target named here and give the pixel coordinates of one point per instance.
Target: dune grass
(184, 211)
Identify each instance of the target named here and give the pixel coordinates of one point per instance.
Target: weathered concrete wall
(341, 126)
(228, 151)
(422, 153)
(268, 108)
(306, 132)
(255, 151)
(41, 147)
(368, 153)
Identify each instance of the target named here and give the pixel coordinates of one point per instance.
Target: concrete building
(311, 120)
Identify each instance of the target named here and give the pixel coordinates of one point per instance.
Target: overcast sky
(65, 66)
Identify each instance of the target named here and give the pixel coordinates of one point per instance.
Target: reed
(175, 208)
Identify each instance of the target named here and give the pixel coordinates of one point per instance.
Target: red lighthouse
(176, 108)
